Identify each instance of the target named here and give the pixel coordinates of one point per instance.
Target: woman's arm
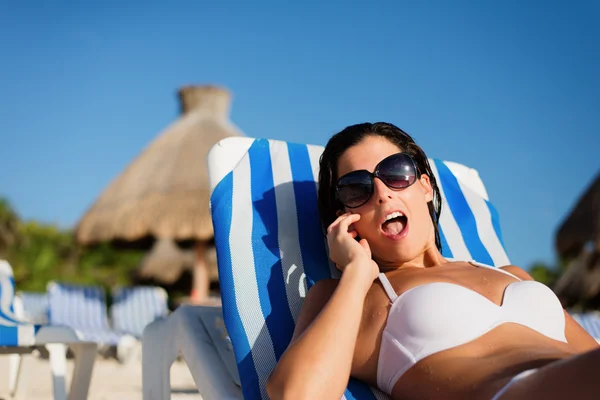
(317, 363)
(575, 334)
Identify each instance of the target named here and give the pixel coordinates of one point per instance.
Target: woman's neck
(430, 257)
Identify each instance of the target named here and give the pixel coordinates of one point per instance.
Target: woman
(405, 319)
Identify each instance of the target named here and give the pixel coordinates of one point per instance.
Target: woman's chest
(425, 295)
(488, 284)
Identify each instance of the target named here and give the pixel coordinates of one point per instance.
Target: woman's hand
(330, 320)
(345, 250)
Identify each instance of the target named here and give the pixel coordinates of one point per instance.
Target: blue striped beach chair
(590, 321)
(14, 332)
(83, 308)
(35, 307)
(135, 307)
(271, 249)
(20, 337)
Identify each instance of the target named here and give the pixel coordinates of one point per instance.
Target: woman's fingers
(363, 242)
(337, 222)
(350, 219)
(346, 224)
(343, 223)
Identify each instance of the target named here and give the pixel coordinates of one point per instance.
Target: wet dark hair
(353, 135)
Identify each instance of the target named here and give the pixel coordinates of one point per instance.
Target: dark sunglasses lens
(354, 189)
(398, 171)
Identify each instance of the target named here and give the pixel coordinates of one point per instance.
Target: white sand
(110, 380)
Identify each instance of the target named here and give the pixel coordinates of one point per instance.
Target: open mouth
(395, 224)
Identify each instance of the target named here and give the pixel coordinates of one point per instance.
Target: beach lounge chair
(590, 321)
(135, 307)
(197, 333)
(270, 250)
(20, 338)
(35, 307)
(83, 308)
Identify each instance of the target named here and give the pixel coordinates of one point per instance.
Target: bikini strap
(387, 286)
(478, 264)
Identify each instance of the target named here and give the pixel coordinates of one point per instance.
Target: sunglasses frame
(376, 174)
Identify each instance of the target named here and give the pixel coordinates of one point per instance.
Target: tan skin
(338, 333)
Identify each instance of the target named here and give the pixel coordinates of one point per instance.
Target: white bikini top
(437, 316)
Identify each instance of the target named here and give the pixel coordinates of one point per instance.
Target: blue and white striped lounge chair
(13, 330)
(270, 247)
(83, 308)
(198, 334)
(35, 307)
(590, 321)
(19, 337)
(135, 307)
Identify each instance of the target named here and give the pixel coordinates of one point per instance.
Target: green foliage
(545, 274)
(8, 225)
(41, 252)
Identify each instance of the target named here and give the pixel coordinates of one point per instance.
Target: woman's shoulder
(322, 288)
(316, 298)
(513, 270)
(518, 272)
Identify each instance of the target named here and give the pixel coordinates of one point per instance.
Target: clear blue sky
(510, 88)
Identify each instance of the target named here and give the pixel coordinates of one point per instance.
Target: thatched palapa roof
(582, 225)
(578, 241)
(166, 262)
(164, 192)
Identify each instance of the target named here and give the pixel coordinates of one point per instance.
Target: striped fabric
(135, 307)
(590, 322)
(13, 332)
(270, 248)
(82, 308)
(35, 307)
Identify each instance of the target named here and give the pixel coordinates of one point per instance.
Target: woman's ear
(426, 185)
(339, 212)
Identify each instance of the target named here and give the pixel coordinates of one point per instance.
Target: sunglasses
(397, 171)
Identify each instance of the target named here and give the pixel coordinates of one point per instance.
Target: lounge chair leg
(126, 349)
(205, 364)
(14, 370)
(58, 366)
(21, 390)
(85, 354)
(158, 354)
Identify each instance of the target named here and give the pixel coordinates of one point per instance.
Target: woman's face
(410, 232)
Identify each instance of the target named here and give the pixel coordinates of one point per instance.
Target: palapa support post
(200, 280)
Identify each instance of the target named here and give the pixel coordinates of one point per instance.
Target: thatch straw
(582, 225)
(166, 261)
(578, 241)
(164, 192)
(580, 283)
